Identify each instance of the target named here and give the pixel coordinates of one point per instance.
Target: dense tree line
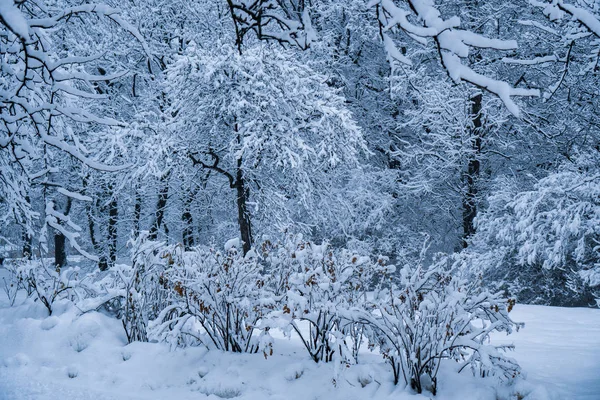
(366, 124)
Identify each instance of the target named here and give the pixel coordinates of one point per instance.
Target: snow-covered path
(559, 349)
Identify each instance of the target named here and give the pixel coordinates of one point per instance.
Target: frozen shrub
(416, 317)
(216, 298)
(44, 283)
(145, 294)
(13, 282)
(89, 291)
(427, 315)
(542, 245)
(316, 284)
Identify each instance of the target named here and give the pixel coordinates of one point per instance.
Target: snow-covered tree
(47, 99)
(541, 245)
(262, 119)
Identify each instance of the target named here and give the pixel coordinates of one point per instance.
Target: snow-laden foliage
(271, 127)
(316, 284)
(224, 300)
(453, 44)
(144, 298)
(127, 128)
(228, 301)
(548, 234)
(44, 283)
(50, 284)
(284, 21)
(430, 313)
(45, 97)
(267, 110)
(215, 298)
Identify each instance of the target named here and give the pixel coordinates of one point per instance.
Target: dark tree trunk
(27, 246)
(188, 223)
(137, 213)
(243, 193)
(161, 204)
(103, 262)
(27, 239)
(113, 214)
(60, 252)
(238, 183)
(473, 172)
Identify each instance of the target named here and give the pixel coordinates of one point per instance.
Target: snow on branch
(11, 17)
(451, 42)
(533, 61)
(556, 9)
(283, 21)
(45, 93)
(98, 9)
(59, 221)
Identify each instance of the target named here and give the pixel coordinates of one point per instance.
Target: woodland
(394, 174)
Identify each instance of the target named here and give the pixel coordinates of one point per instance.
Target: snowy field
(67, 356)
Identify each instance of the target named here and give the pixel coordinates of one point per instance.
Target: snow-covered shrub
(543, 245)
(317, 285)
(216, 298)
(427, 315)
(223, 299)
(227, 301)
(104, 291)
(44, 283)
(97, 290)
(146, 294)
(89, 291)
(13, 282)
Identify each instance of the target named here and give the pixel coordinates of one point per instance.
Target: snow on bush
(228, 301)
(214, 298)
(316, 284)
(39, 280)
(48, 284)
(332, 299)
(416, 317)
(145, 298)
(427, 314)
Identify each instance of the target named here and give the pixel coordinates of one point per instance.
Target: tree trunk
(102, 262)
(60, 255)
(473, 172)
(27, 246)
(60, 252)
(113, 214)
(161, 204)
(137, 213)
(243, 193)
(188, 223)
(27, 239)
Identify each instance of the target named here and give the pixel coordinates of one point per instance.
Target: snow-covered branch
(451, 42)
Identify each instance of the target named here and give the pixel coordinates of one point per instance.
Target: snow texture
(85, 356)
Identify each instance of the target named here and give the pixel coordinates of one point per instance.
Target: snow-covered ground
(559, 349)
(71, 356)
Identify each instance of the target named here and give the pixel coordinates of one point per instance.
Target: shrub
(39, 280)
(215, 298)
(145, 295)
(224, 300)
(542, 244)
(428, 314)
(317, 284)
